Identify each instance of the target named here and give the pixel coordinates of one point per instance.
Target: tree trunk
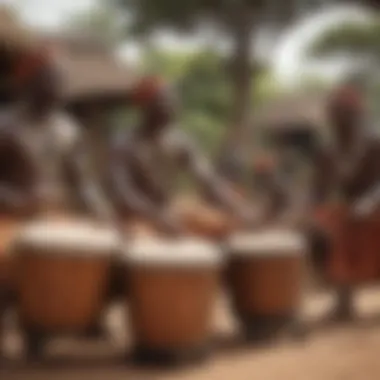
(241, 74)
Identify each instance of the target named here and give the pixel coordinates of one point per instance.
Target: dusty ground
(346, 353)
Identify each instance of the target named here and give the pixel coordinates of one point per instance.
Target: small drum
(62, 273)
(173, 285)
(352, 256)
(265, 276)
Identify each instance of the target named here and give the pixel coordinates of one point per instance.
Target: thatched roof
(90, 69)
(13, 33)
(293, 111)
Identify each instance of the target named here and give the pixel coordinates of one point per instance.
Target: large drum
(352, 253)
(173, 286)
(265, 278)
(62, 271)
(8, 230)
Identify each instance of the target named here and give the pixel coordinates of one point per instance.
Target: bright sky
(287, 59)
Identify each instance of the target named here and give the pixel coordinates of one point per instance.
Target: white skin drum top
(177, 253)
(63, 237)
(271, 242)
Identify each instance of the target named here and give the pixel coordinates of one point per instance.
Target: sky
(286, 57)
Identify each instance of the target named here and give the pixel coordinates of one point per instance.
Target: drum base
(266, 328)
(171, 357)
(34, 343)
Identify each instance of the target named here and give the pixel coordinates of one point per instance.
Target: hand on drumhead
(249, 217)
(171, 226)
(363, 209)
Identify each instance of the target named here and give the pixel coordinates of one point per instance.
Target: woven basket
(171, 308)
(60, 292)
(266, 286)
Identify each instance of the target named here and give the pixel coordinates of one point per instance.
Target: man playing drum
(43, 132)
(348, 170)
(146, 161)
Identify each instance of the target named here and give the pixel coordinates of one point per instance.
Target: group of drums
(60, 271)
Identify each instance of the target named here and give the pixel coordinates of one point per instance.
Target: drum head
(173, 253)
(267, 243)
(78, 238)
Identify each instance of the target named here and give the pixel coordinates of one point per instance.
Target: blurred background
(251, 76)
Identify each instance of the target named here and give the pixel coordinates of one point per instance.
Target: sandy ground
(348, 352)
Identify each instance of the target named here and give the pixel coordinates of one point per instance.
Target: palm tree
(353, 39)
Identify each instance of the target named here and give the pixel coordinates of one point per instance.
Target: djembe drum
(8, 229)
(62, 271)
(352, 256)
(173, 285)
(265, 276)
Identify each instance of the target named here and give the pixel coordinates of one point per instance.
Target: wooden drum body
(354, 254)
(62, 273)
(265, 279)
(173, 286)
(8, 230)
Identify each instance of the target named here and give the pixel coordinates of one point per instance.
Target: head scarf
(264, 164)
(30, 65)
(149, 90)
(347, 97)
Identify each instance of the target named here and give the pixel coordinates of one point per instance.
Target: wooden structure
(15, 39)
(298, 120)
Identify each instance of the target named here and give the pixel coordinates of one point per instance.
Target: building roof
(13, 33)
(91, 70)
(301, 110)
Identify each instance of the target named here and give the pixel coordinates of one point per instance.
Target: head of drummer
(346, 111)
(264, 167)
(39, 82)
(158, 104)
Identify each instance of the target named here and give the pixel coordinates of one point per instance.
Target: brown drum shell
(171, 308)
(355, 251)
(60, 293)
(266, 286)
(8, 229)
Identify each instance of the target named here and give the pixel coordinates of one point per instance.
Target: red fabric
(347, 97)
(264, 164)
(29, 65)
(148, 90)
(355, 255)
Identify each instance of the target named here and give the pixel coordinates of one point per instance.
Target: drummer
(147, 160)
(270, 188)
(49, 138)
(349, 168)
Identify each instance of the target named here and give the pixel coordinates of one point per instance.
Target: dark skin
(18, 177)
(136, 186)
(42, 98)
(347, 124)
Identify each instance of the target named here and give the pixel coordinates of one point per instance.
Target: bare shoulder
(179, 142)
(123, 142)
(67, 127)
(9, 124)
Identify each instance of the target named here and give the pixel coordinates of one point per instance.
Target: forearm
(96, 201)
(369, 201)
(130, 197)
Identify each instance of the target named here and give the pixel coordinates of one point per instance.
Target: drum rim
(135, 255)
(248, 247)
(31, 237)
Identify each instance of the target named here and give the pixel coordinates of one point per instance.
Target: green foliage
(349, 38)
(101, 22)
(184, 15)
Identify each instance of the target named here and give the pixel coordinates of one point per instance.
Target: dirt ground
(348, 352)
